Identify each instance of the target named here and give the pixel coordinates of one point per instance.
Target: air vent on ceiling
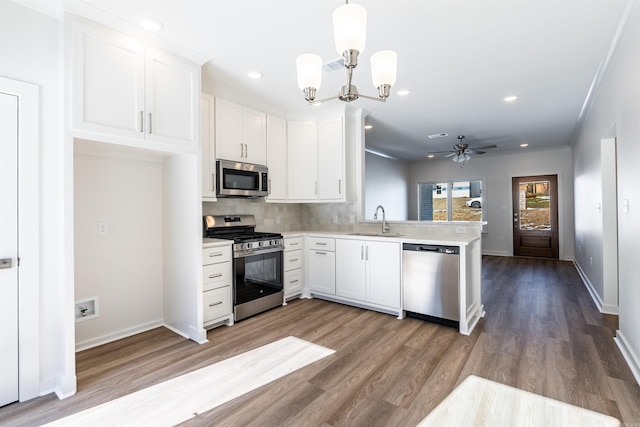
(336, 64)
(437, 135)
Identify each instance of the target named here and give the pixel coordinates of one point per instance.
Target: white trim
(496, 253)
(29, 234)
(602, 308)
(124, 333)
(632, 359)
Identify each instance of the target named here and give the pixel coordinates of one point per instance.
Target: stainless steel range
(257, 263)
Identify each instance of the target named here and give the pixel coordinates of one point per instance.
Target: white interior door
(8, 248)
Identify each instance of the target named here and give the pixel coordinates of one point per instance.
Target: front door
(8, 248)
(535, 216)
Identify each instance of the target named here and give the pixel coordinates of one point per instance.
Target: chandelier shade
(350, 28)
(383, 68)
(309, 68)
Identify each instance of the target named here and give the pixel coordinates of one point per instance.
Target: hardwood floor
(542, 333)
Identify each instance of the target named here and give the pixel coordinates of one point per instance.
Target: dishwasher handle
(412, 247)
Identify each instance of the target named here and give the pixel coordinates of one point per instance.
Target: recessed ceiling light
(254, 75)
(524, 145)
(368, 127)
(510, 98)
(151, 24)
(431, 156)
(403, 92)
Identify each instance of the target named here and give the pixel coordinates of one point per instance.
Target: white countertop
(451, 240)
(481, 402)
(212, 243)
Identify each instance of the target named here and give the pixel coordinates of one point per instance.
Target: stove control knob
(260, 243)
(246, 245)
(271, 243)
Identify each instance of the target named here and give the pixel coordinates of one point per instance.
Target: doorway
(9, 248)
(535, 216)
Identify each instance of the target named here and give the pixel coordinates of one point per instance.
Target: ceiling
(458, 58)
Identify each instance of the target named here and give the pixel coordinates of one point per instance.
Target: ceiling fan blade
(439, 152)
(475, 152)
(483, 147)
(450, 154)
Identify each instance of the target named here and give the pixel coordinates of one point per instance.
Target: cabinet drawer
(292, 260)
(216, 303)
(322, 243)
(293, 244)
(213, 255)
(216, 275)
(292, 282)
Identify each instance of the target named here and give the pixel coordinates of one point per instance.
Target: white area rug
(176, 400)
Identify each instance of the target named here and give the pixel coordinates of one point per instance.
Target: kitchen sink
(376, 234)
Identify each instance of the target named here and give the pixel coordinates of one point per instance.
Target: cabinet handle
(321, 253)
(321, 244)
(293, 244)
(214, 254)
(150, 124)
(213, 276)
(339, 186)
(213, 304)
(366, 254)
(213, 181)
(315, 191)
(241, 150)
(361, 253)
(141, 121)
(246, 151)
(293, 259)
(293, 281)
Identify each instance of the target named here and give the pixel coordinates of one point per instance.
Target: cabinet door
(383, 273)
(321, 271)
(350, 269)
(331, 159)
(254, 136)
(228, 131)
(302, 167)
(172, 96)
(207, 147)
(277, 157)
(108, 82)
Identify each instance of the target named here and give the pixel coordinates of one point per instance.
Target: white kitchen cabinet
(293, 262)
(277, 158)
(321, 265)
(368, 271)
(207, 144)
(240, 133)
(315, 156)
(217, 298)
(125, 88)
(302, 160)
(331, 165)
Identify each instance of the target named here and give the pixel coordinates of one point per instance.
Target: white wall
(616, 106)
(30, 45)
(496, 171)
(386, 184)
(123, 267)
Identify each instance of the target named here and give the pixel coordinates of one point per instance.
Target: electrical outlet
(277, 219)
(103, 228)
(335, 219)
(461, 230)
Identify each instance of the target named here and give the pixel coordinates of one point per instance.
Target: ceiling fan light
(350, 28)
(384, 66)
(309, 68)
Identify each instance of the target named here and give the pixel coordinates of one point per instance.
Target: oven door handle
(252, 252)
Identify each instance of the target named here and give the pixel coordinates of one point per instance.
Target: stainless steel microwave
(234, 179)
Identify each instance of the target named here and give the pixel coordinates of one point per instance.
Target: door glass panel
(534, 205)
(433, 201)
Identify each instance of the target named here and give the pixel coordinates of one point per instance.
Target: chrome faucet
(385, 228)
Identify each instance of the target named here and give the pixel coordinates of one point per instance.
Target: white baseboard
(94, 342)
(496, 253)
(629, 356)
(603, 308)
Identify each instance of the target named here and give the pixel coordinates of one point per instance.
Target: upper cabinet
(208, 148)
(240, 133)
(124, 88)
(316, 165)
(277, 158)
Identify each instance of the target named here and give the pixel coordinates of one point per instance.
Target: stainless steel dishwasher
(431, 282)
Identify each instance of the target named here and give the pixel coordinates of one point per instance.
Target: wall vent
(336, 64)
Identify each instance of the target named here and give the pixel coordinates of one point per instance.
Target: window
(450, 201)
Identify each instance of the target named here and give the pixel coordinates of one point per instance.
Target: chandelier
(350, 32)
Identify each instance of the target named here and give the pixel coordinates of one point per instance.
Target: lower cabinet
(217, 301)
(368, 271)
(292, 267)
(321, 265)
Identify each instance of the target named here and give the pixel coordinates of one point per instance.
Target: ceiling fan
(462, 152)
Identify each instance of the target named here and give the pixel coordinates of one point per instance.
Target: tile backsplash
(267, 214)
